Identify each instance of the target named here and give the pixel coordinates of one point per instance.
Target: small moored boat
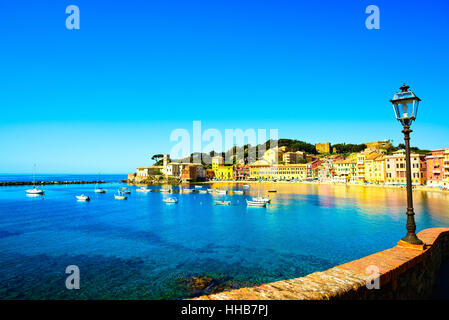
(222, 202)
(83, 198)
(120, 195)
(125, 191)
(170, 200)
(255, 203)
(143, 189)
(239, 192)
(35, 191)
(262, 199)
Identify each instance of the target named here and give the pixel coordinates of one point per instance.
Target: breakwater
(29, 183)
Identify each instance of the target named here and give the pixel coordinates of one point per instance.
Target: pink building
(435, 167)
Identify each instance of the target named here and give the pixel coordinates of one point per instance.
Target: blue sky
(105, 97)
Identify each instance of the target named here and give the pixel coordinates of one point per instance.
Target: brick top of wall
(340, 280)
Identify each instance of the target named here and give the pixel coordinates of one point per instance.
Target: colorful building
(241, 172)
(446, 167)
(260, 171)
(435, 168)
(375, 168)
(396, 171)
(293, 157)
(326, 170)
(312, 169)
(274, 155)
(221, 171)
(290, 172)
(345, 170)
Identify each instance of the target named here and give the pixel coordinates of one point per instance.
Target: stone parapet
(403, 273)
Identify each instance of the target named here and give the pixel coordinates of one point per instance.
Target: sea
(143, 248)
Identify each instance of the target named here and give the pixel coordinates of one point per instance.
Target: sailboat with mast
(97, 189)
(259, 201)
(35, 190)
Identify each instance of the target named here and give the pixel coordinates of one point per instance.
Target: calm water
(143, 248)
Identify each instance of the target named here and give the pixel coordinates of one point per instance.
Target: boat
(125, 191)
(143, 189)
(170, 200)
(97, 189)
(187, 190)
(239, 192)
(83, 198)
(120, 195)
(198, 187)
(221, 192)
(202, 191)
(272, 191)
(222, 202)
(166, 190)
(262, 199)
(255, 204)
(246, 186)
(35, 190)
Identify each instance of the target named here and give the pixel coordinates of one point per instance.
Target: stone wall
(404, 273)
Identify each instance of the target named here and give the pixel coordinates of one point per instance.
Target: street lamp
(405, 105)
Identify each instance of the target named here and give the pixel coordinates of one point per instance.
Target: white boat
(186, 190)
(120, 195)
(239, 192)
(166, 190)
(202, 191)
(83, 198)
(97, 189)
(170, 200)
(222, 202)
(198, 187)
(262, 199)
(35, 190)
(221, 192)
(125, 191)
(246, 186)
(255, 203)
(143, 189)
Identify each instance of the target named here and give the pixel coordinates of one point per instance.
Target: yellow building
(446, 167)
(290, 172)
(274, 155)
(375, 168)
(361, 167)
(221, 171)
(260, 171)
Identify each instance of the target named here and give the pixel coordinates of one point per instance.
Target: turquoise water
(142, 248)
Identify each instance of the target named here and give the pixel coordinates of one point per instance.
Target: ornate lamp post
(405, 105)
